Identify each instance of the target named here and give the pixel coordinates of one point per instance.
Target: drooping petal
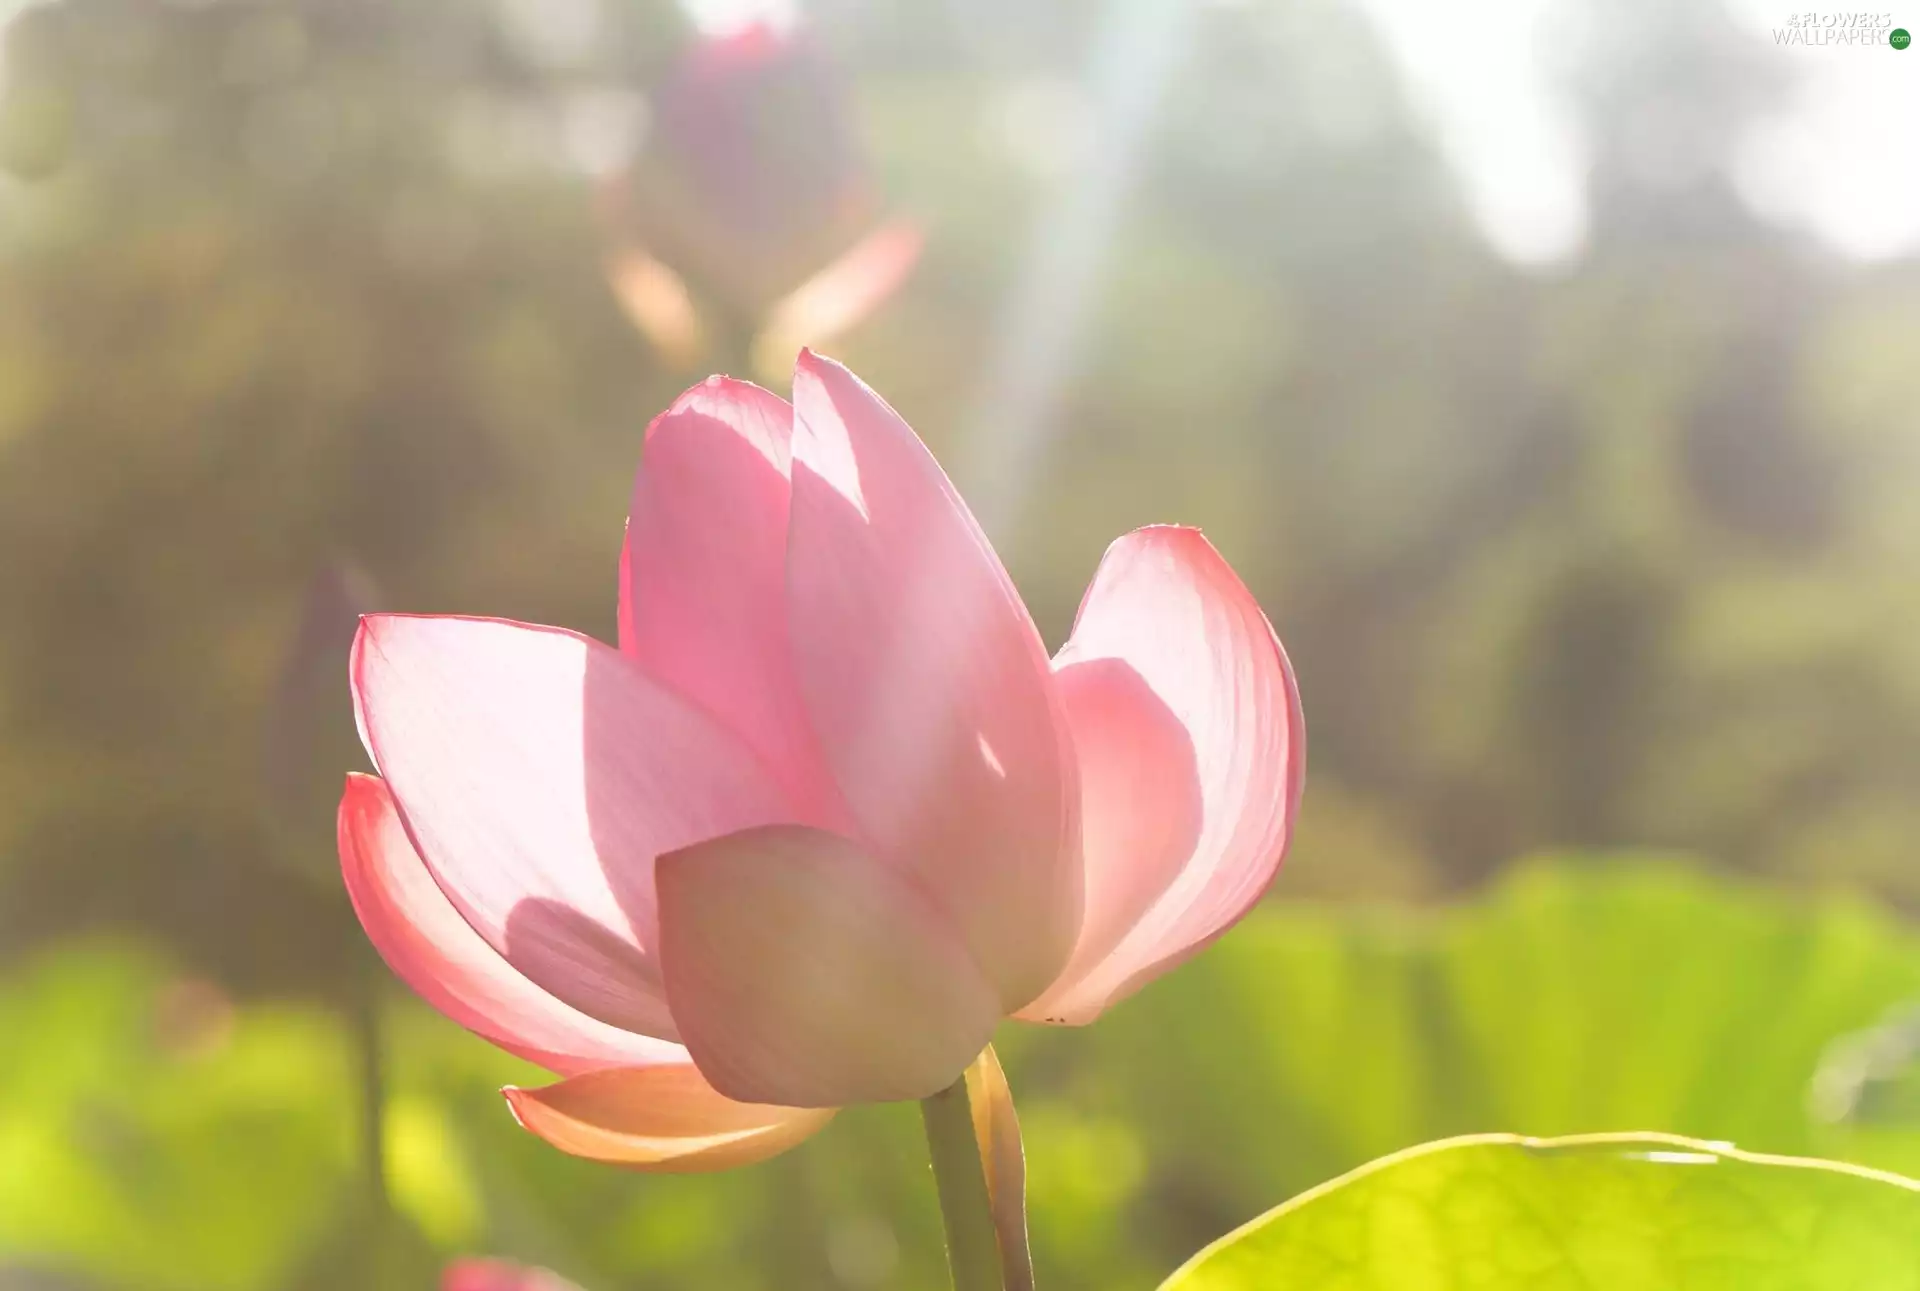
(704, 604)
(539, 773)
(928, 684)
(432, 949)
(1176, 633)
(666, 1119)
(805, 972)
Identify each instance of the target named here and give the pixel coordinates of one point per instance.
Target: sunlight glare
(1139, 47)
(719, 17)
(1476, 72)
(1838, 159)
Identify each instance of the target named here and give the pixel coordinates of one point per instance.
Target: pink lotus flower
(828, 813)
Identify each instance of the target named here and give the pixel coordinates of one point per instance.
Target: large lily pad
(1594, 1213)
(1621, 993)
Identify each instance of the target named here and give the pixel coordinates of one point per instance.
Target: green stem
(973, 1253)
(373, 1099)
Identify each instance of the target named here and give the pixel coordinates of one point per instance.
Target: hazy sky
(1839, 157)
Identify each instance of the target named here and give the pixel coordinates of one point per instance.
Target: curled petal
(703, 577)
(432, 949)
(666, 1119)
(928, 684)
(803, 971)
(1176, 634)
(539, 773)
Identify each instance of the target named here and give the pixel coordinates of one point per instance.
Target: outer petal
(1167, 609)
(704, 574)
(539, 773)
(805, 972)
(430, 947)
(1141, 810)
(666, 1119)
(928, 684)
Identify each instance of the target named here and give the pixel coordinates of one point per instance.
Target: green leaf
(156, 1136)
(1602, 1212)
(1618, 993)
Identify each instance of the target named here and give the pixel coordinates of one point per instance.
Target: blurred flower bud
(309, 734)
(753, 188)
(753, 177)
(499, 1275)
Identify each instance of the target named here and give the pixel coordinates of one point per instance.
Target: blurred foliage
(157, 1137)
(1615, 555)
(1577, 999)
(1665, 1214)
(163, 1138)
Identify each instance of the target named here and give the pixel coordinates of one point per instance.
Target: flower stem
(973, 1253)
(370, 1043)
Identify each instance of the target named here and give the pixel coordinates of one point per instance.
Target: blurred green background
(1592, 536)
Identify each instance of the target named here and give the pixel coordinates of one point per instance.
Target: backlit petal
(1167, 628)
(1140, 798)
(928, 684)
(539, 773)
(704, 604)
(623, 624)
(666, 1119)
(430, 947)
(803, 971)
